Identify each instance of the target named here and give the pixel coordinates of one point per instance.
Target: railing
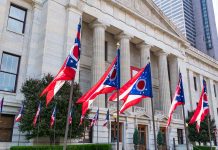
(175, 115)
(158, 112)
(113, 105)
(138, 109)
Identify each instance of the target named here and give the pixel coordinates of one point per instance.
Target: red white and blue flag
(71, 116)
(109, 82)
(53, 116)
(20, 114)
(178, 99)
(37, 115)
(137, 88)
(95, 119)
(107, 118)
(1, 105)
(202, 109)
(81, 120)
(67, 71)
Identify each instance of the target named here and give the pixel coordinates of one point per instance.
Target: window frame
(180, 136)
(195, 83)
(12, 127)
(114, 129)
(214, 90)
(24, 21)
(106, 51)
(18, 69)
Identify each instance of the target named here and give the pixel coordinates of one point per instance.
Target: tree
(203, 135)
(31, 90)
(160, 138)
(136, 138)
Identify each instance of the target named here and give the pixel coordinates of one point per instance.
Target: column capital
(143, 45)
(123, 35)
(98, 23)
(37, 4)
(161, 53)
(75, 6)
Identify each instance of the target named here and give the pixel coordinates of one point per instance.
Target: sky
(215, 5)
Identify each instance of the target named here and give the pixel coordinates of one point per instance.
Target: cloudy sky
(215, 4)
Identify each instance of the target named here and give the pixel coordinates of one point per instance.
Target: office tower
(195, 19)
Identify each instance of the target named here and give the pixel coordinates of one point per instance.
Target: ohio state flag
(202, 109)
(67, 71)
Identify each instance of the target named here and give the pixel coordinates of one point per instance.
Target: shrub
(136, 137)
(203, 148)
(69, 147)
(160, 138)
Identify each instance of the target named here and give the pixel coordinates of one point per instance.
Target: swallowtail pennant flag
(67, 71)
(202, 109)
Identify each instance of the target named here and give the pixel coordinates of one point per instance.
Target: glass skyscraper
(195, 19)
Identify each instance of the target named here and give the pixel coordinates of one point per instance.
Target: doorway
(163, 132)
(142, 136)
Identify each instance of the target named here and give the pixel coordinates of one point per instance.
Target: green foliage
(160, 138)
(136, 137)
(31, 90)
(203, 135)
(69, 147)
(203, 148)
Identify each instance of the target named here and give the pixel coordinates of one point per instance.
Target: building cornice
(179, 37)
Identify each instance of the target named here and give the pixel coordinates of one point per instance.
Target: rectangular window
(114, 131)
(195, 83)
(9, 72)
(214, 88)
(180, 136)
(106, 100)
(17, 19)
(106, 51)
(6, 128)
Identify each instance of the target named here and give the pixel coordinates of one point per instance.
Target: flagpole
(38, 129)
(152, 108)
(97, 124)
(84, 131)
(118, 101)
(108, 126)
(71, 125)
(54, 127)
(186, 132)
(19, 136)
(68, 114)
(208, 120)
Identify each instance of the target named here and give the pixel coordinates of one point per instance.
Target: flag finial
(148, 58)
(118, 45)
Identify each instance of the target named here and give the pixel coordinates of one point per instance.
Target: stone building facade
(36, 35)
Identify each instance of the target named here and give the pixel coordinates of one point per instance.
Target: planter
(160, 147)
(136, 147)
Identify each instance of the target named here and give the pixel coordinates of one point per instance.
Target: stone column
(164, 82)
(174, 77)
(144, 54)
(211, 98)
(191, 90)
(185, 78)
(98, 62)
(34, 56)
(124, 57)
(213, 104)
(74, 12)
